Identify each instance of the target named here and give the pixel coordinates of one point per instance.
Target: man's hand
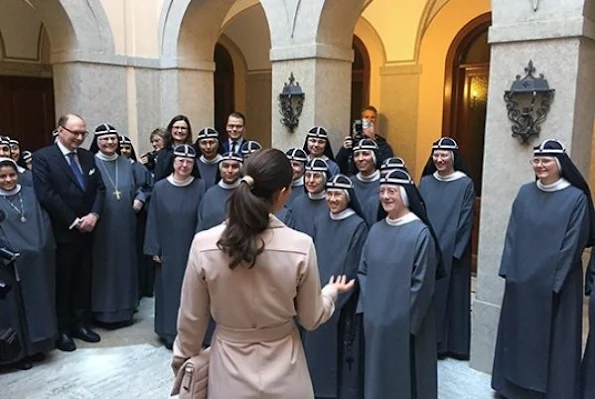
(87, 223)
(137, 205)
(144, 159)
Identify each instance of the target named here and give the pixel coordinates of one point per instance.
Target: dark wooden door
(27, 110)
(471, 112)
(224, 88)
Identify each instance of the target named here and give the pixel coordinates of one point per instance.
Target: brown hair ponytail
(266, 172)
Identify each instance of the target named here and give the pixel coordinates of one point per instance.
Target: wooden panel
(27, 110)
(224, 89)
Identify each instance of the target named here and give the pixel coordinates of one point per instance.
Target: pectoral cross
(118, 194)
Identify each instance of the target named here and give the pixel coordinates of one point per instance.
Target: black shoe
(65, 343)
(85, 334)
(169, 344)
(24, 364)
(38, 357)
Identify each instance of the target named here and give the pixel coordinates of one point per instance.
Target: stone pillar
(97, 92)
(326, 82)
(559, 41)
(189, 91)
(399, 97)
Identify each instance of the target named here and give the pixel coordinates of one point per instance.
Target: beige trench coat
(256, 349)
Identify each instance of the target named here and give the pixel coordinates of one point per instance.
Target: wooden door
(470, 132)
(27, 110)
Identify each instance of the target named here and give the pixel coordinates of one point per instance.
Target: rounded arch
(337, 21)
(377, 54)
(189, 30)
(360, 78)
(75, 30)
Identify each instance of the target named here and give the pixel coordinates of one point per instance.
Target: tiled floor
(130, 363)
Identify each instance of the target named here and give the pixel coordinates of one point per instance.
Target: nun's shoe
(24, 364)
(85, 334)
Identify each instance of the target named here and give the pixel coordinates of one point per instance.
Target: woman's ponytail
(265, 173)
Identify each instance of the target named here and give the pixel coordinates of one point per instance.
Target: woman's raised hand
(341, 283)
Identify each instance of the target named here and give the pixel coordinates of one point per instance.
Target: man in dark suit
(70, 189)
(236, 123)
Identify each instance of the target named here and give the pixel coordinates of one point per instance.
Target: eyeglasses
(84, 134)
(542, 162)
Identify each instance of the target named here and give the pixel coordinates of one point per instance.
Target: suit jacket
(60, 194)
(226, 145)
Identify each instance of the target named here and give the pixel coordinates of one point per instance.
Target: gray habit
(34, 239)
(286, 216)
(450, 206)
(538, 349)
(171, 225)
(208, 172)
(587, 386)
(396, 274)
(366, 190)
(305, 211)
(114, 281)
(213, 209)
(331, 352)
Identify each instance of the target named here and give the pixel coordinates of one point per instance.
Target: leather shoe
(65, 343)
(24, 364)
(85, 334)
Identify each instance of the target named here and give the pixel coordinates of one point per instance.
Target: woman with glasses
(449, 198)
(179, 132)
(208, 146)
(318, 146)
(538, 349)
(114, 282)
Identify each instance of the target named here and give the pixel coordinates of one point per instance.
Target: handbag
(10, 345)
(193, 377)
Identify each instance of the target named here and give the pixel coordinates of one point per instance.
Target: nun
(306, 208)
(213, 209)
(15, 152)
(538, 348)
(114, 279)
(146, 270)
(367, 180)
(449, 198)
(208, 146)
(333, 350)
(171, 226)
(249, 147)
(298, 159)
(397, 273)
(28, 160)
(27, 230)
(372, 204)
(179, 131)
(318, 146)
(25, 175)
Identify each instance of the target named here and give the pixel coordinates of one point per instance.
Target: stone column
(97, 92)
(325, 78)
(559, 41)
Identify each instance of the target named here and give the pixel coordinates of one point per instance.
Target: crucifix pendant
(23, 219)
(118, 194)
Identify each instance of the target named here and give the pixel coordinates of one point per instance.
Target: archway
(360, 78)
(465, 102)
(224, 86)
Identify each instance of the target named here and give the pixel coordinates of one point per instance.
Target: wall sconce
(291, 101)
(528, 102)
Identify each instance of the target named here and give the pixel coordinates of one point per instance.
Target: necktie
(76, 170)
(234, 145)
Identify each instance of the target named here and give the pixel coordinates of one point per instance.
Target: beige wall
(434, 48)
(369, 36)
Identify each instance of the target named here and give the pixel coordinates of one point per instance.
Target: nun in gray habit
(306, 208)
(298, 159)
(372, 204)
(449, 198)
(114, 280)
(171, 225)
(538, 349)
(27, 230)
(334, 351)
(208, 145)
(397, 273)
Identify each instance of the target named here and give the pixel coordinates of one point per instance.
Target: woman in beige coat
(254, 275)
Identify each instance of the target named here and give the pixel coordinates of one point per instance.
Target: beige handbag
(193, 377)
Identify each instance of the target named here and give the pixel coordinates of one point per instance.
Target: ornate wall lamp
(528, 102)
(291, 102)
